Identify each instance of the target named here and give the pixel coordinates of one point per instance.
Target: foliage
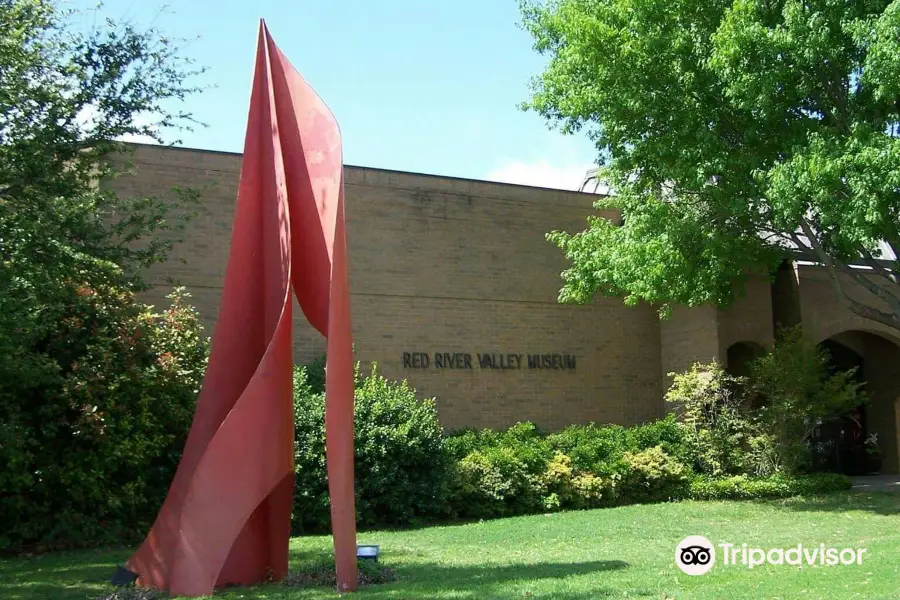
(709, 402)
(729, 132)
(519, 471)
(799, 393)
(462, 442)
(600, 450)
(315, 375)
(592, 448)
(401, 465)
(666, 433)
(96, 391)
(762, 424)
(742, 487)
(65, 99)
(494, 482)
(90, 447)
(717, 445)
(653, 475)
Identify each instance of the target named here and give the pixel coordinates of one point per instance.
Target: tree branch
(891, 319)
(881, 292)
(877, 267)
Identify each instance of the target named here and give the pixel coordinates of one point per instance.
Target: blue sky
(430, 86)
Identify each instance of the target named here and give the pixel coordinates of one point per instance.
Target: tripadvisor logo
(696, 555)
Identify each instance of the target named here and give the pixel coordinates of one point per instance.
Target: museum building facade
(454, 288)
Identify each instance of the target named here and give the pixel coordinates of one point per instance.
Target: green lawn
(613, 553)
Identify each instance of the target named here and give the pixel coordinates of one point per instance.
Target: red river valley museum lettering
(489, 360)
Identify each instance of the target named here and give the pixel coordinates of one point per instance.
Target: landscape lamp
(367, 552)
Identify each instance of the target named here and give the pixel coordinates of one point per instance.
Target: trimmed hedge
(742, 487)
(408, 471)
(519, 471)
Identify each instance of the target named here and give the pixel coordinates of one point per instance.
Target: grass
(625, 552)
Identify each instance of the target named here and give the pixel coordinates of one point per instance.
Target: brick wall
(688, 336)
(443, 265)
(750, 318)
(823, 315)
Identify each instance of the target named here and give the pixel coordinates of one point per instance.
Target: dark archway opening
(865, 440)
(739, 356)
(840, 443)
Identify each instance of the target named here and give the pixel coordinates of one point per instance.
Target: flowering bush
(93, 426)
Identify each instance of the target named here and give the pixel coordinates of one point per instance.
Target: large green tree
(96, 389)
(731, 131)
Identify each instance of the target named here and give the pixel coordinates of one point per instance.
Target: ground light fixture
(367, 552)
(123, 577)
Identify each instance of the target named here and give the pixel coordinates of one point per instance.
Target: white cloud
(87, 119)
(540, 173)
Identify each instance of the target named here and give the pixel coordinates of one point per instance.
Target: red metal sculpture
(226, 519)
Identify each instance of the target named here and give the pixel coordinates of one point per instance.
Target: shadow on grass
(429, 579)
(86, 576)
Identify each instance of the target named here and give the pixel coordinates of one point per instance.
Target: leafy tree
(731, 131)
(96, 389)
(800, 393)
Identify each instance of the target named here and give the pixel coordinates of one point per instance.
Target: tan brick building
(454, 288)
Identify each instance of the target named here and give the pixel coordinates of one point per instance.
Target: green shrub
(497, 481)
(667, 433)
(527, 442)
(314, 378)
(713, 422)
(592, 448)
(742, 487)
(652, 475)
(401, 466)
(90, 443)
(600, 449)
(462, 442)
(518, 474)
(484, 483)
(761, 425)
(557, 482)
(500, 472)
(798, 392)
(590, 491)
(493, 473)
(311, 503)
(519, 470)
(565, 488)
(96, 392)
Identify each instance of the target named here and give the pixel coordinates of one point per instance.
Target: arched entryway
(877, 363)
(739, 356)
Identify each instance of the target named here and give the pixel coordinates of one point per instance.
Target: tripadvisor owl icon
(695, 555)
